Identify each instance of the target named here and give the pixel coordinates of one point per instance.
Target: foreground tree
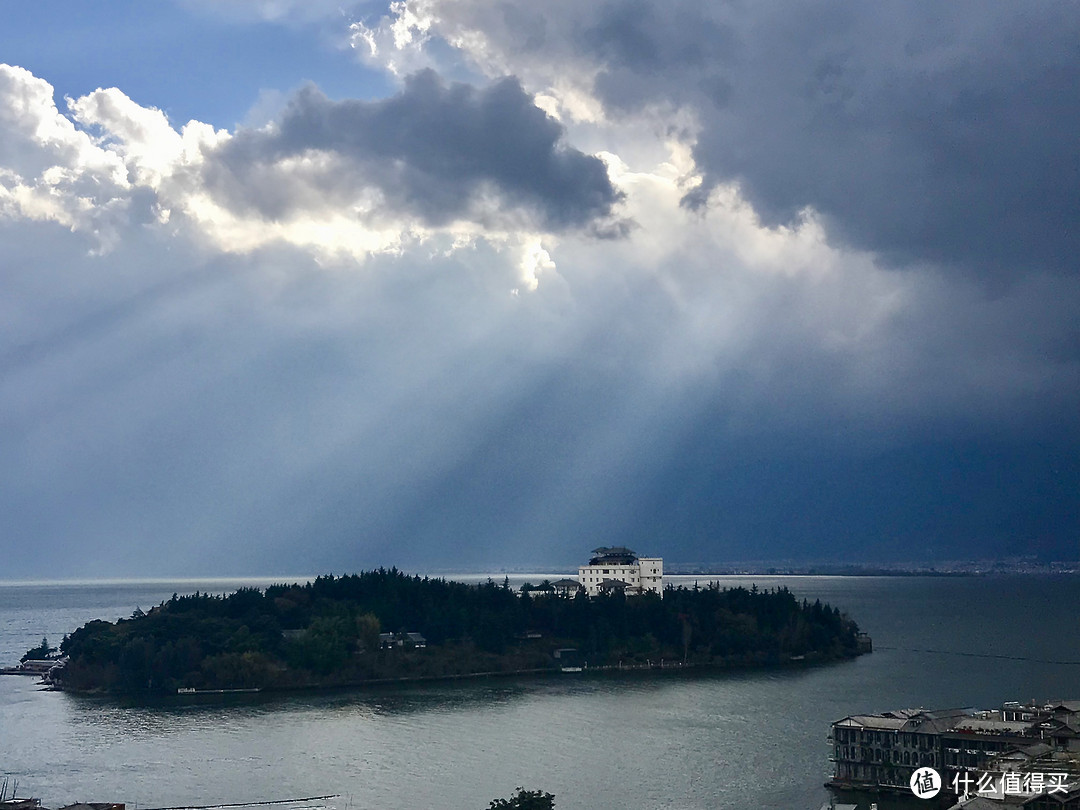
(525, 800)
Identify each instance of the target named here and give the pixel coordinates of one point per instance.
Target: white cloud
(396, 41)
(535, 262)
(49, 169)
(739, 294)
(115, 165)
(401, 42)
(38, 137)
(142, 137)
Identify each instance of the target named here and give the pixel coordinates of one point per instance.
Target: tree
(368, 629)
(686, 635)
(39, 652)
(525, 800)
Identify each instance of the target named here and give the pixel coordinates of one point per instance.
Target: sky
(458, 284)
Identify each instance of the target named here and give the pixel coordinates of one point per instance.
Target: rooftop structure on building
(976, 803)
(612, 555)
(620, 569)
(1061, 797)
(20, 804)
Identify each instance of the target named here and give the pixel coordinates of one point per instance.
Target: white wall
(647, 573)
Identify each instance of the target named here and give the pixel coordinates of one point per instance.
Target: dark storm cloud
(694, 386)
(923, 131)
(434, 151)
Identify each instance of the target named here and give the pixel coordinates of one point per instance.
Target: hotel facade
(618, 568)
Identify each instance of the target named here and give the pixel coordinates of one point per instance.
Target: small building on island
(408, 641)
(566, 587)
(618, 568)
(545, 588)
(560, 587)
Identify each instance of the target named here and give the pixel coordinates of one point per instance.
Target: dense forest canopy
(334, 631)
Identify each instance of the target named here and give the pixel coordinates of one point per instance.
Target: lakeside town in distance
(959, 567)
(1007, 565)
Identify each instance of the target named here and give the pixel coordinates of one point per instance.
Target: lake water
(728, 740)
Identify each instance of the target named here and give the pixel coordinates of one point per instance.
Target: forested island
(385, 624)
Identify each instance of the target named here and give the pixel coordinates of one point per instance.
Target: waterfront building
(619, 568)
(881, 751)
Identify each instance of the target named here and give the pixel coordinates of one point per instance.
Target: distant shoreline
(872, 572)
(824, 572)
(465, 576)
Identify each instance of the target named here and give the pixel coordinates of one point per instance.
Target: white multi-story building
(620, 568)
